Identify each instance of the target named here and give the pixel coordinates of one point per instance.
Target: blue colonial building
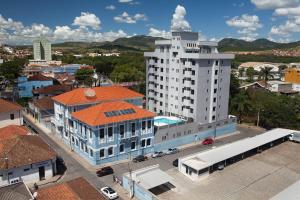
(27, 84)
(111, 131)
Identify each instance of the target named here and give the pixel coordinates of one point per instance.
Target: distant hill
(231, 44)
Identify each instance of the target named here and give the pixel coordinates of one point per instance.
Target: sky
(107, 20)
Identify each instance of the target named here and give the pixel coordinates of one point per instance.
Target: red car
(208, 141)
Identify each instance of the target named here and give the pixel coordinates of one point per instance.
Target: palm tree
(266, 74)
(241, 105)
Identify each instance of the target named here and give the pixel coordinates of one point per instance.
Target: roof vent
(90, 93)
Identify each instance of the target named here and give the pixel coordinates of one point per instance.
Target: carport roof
(151, 177)
(221, 153)
(290, 193)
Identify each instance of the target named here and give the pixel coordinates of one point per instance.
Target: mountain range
(146, 43)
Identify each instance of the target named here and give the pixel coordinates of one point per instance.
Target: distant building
(27, 158)
(10, 113)
(76, 189)
(1, 61)
(26, 85)
(51, 90)
(292, 75)
(42, 49)
(188, 78)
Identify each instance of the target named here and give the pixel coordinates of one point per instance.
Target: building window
(85, 149)
(216, 72)
(132, 129)
(191, 110)
(161, 69)
(110, 151)
(161, 78)
(102, 153)
(213, 117)
(163, 138)
(161, 61)
(193, 82)
(192, 92)
(26, 169)
(121, 148)
(215, 99)
(91, 134)
(161, 87)
(216, 81)
(133, 145)
(193, 62)
(149, 124)
(122, 130)
(143, 143)
(110, 132)
(101, 133)
(76, 143)
(81, 145)
(214, 108)
(143, 125)
(91, 153)
(215, 90)
(12, 116)
(149, 142)
(66, 134)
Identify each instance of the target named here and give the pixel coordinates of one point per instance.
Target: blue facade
(25, 86)
(193, 138)
(107, 143)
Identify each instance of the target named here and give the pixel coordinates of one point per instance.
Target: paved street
(76, 168)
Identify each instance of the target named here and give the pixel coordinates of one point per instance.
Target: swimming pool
(162, 121)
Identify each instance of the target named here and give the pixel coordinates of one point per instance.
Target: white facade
(29, 173)
(11, 118)
(42, 49)
(296, 87)
(188, 78)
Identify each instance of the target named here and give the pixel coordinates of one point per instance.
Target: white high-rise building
(42, 49)
(188, 78)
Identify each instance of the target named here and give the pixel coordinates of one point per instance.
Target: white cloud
(110, 7)
(130, 2)
(130, 19)
(273, 4)
(87, 20)
(125, 1)
(290, 26)
(159, 33)
(178, 22)
(287, 11)
(12, 32)
(247, 25)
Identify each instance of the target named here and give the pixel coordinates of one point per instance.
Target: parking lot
(259, 177)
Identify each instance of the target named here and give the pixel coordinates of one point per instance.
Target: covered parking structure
(147, 182)
(200, 165)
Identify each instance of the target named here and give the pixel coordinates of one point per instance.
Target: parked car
(139, 158)
(109, 193)
(157, 154)
(105, 171)
(220, 166)
(172, 151)
(60, 165)
(208, 141)
(175, 163)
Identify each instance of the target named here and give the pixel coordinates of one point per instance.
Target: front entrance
(42, 173)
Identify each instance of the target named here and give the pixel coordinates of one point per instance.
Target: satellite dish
(90, 93)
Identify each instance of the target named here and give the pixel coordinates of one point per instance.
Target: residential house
(81, 98)
(78, 189)
(111, 131)
(26, 158)
(51, 90)
(42, 110)
(10, 113)
(12, 131)
(27, 84)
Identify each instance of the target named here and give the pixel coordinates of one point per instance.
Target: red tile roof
(77, 189)
(45, 103)
(93, 95)
(24, 150)
(7, 106)
(53, 90)
(12, 131)
(39, 77)
(95, 115)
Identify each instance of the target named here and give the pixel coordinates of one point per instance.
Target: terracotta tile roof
(24, 150)
(77, 189)
(81, 95)
(7, 106)
(45, 103)
(53, 90)
(95, 115)
(12, 131)
(39, 77)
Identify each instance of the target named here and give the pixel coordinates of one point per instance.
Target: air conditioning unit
(15, 180)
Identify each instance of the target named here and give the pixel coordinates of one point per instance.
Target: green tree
(241, 71)
(250, 73)
(266, 74)
(234, 85)
(85, 77)
(11, 70)
(240, 105)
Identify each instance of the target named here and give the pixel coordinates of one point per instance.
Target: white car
(172, 151)
(109, 193)
(157, 154)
